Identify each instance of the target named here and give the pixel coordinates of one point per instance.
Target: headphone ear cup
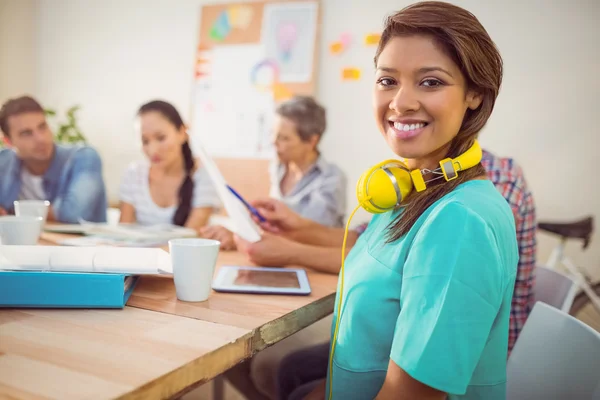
(361, 192)
(381, 190)
(403, 180)
(377, 192)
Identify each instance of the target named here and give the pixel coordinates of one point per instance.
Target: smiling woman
(438, 264)
(172, 187)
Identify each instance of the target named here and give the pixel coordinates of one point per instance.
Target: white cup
(22, 230)
(32, 208)
(193, 263)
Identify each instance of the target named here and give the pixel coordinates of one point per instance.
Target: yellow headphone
(387, 184)
(382, 188)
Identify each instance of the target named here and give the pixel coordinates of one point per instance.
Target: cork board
(250, 56)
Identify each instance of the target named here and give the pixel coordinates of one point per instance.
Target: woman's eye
(385, 81)
(432, 83)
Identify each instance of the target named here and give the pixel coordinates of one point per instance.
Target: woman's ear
(314, 141)
(185, 136)
(474, 100)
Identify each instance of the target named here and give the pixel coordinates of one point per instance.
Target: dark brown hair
(186, 190)
(467, 43)
(20, 105)
(308, 115)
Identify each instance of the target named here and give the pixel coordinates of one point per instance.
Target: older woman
(300, 176)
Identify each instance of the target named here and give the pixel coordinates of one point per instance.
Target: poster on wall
(250, 57)
(289, 35)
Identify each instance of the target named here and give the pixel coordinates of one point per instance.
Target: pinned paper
(351, 74)
(372, 39)
(240, 16)
(336, 47)
(221, 27)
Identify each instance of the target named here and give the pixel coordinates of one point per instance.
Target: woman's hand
(280, 218)
(219, 233)
(270, 251)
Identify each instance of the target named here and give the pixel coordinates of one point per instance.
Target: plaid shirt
(508, 178)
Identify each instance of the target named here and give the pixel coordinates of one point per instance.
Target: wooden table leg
(218, 388)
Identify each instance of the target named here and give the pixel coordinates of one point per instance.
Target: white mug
(194, 262)
(33, 208)
(22, 230)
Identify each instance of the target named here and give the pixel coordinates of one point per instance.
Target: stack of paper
(75, 277)
(122, 260)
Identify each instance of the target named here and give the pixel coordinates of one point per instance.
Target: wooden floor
(590, 316)
(204, 392)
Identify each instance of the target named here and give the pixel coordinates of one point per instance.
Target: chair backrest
(556, 357)
(553, 288)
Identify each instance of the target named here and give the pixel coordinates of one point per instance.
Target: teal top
(436, 301)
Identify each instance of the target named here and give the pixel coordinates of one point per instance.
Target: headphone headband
(449, 167)
(388, 183)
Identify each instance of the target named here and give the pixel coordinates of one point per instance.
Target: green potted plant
(67, 132)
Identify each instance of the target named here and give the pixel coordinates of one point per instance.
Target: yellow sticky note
(281, 92)
(336, 47)
(372, 39)
(234, 16)
(351, 74)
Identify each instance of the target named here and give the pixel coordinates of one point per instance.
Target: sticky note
(234, 16)
(372, 39)
(350, 74)
(345, 39)
(281, 92)
(336, 47)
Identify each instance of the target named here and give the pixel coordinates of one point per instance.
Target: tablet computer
(239, 279)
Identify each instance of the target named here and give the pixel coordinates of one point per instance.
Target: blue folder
(39, 289)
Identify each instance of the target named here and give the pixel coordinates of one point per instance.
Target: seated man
(294, 240)
(36, 168)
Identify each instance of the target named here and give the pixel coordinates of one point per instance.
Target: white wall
(111, 56)
(17, 47)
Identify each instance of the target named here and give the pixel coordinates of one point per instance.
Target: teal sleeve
(452, 290)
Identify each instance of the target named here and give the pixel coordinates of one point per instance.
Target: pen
(248, 206)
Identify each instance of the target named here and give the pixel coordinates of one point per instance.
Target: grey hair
(308, 115)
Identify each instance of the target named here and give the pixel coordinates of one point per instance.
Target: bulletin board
(249, 57)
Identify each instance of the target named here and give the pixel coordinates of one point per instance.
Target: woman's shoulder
(475, 199)
(199, 171)
(475, 213)
(201, 177)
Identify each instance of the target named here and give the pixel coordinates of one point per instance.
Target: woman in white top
(171, 187)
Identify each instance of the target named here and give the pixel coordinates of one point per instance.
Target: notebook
(37, 289)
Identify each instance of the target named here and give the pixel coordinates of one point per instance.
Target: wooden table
(156, 347)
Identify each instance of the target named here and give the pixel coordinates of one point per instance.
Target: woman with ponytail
(171, 188)
(422, 310)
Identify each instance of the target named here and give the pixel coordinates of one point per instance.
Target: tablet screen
(258, 278)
